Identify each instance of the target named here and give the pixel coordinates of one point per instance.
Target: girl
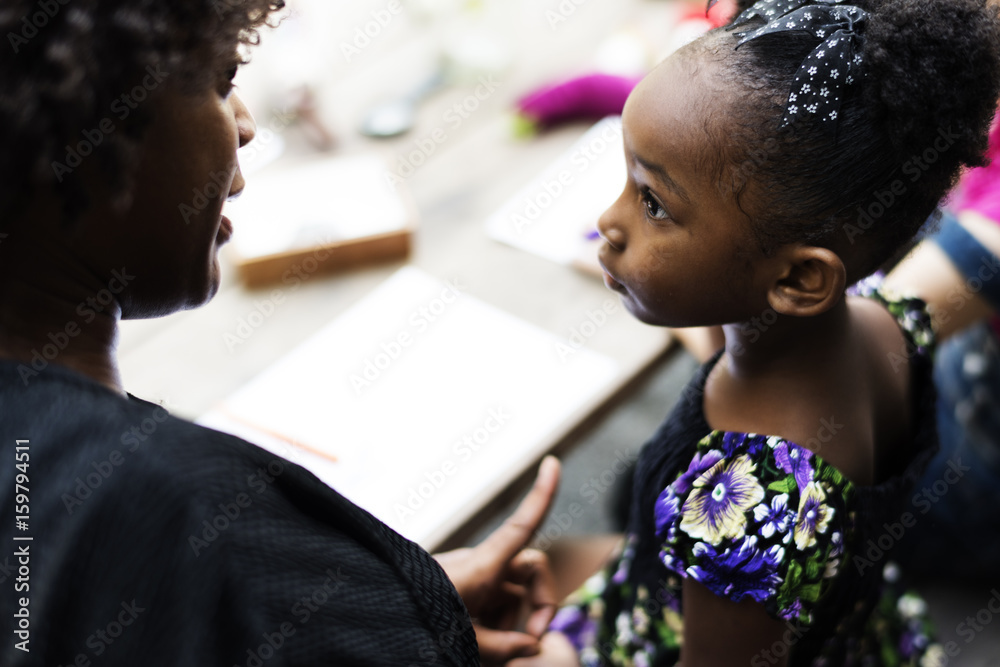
(771, 164)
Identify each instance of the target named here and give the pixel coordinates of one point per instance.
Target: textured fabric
(829, 69)
(759, 517)
(980, 267)
(160, 542)
(958, 534)
(979, 189)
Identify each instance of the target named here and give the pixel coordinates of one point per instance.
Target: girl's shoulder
(896, 334)
(757, 517)
(909, 312)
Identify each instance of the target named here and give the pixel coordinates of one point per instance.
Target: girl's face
(676, 248)
(170, 235)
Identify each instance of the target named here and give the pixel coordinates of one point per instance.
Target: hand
(556, 652)
(497, 578)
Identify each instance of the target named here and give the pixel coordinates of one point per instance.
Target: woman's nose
(245, 123)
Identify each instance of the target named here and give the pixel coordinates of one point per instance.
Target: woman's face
(169, 236)
(677, 247)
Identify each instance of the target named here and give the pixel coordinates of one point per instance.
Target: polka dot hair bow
(831, 68)
(773, 9)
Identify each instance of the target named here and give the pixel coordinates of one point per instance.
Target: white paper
(554, 213)
(459, 397)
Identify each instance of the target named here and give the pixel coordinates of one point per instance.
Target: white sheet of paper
(319, 201)
(429, 399)
(552, 215)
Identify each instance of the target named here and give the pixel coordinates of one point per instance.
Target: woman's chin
(182, 297)
(203, 289)
(212, 285)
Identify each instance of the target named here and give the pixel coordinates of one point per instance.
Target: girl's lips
(610, 282)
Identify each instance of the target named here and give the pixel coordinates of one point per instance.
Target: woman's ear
(811, 281)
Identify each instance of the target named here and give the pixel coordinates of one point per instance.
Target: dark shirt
(155, 541)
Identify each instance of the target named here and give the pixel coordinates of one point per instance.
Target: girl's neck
(772, 342)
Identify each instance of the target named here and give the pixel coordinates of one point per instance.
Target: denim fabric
(957, 503)
(979, 266)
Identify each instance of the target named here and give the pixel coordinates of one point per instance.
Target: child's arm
(576, 559)
(556, 652)
(720, 633)
(955, 300)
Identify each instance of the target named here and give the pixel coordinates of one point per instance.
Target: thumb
(507, 540)
(498, 646)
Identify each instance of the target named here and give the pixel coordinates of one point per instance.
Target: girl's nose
(611, 231)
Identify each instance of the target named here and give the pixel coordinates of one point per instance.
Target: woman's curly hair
(921, 113)
(67, 65)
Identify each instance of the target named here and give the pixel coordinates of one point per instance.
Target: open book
(421, 403)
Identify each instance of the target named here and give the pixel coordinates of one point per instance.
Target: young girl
(770, 165)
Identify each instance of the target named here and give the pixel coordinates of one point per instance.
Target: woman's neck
(54, 312)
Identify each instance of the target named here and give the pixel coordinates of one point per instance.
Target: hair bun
(933, 70)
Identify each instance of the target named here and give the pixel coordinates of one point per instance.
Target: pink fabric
(720, 12)
(589, 97)
(979, 189)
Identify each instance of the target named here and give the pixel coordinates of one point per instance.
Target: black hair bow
(832, 66)
(773, 9)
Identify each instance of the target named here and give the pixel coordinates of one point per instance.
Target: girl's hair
(922, 109)
(76, 75)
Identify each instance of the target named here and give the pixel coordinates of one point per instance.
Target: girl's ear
(811, 281)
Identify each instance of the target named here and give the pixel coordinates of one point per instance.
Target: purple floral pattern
(794, 460)
(718, 501)
(743, 570)
(751, 444)
(813, 517)
(758, 523)
(666, 511)
(774, 518)
(701, 462)
(579, 627)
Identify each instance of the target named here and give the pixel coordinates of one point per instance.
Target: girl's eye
(653, 208)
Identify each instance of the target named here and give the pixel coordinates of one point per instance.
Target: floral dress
(758, 517)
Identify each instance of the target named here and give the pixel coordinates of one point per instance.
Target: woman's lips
(225, 229)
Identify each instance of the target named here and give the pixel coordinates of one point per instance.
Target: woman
(139, 538)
